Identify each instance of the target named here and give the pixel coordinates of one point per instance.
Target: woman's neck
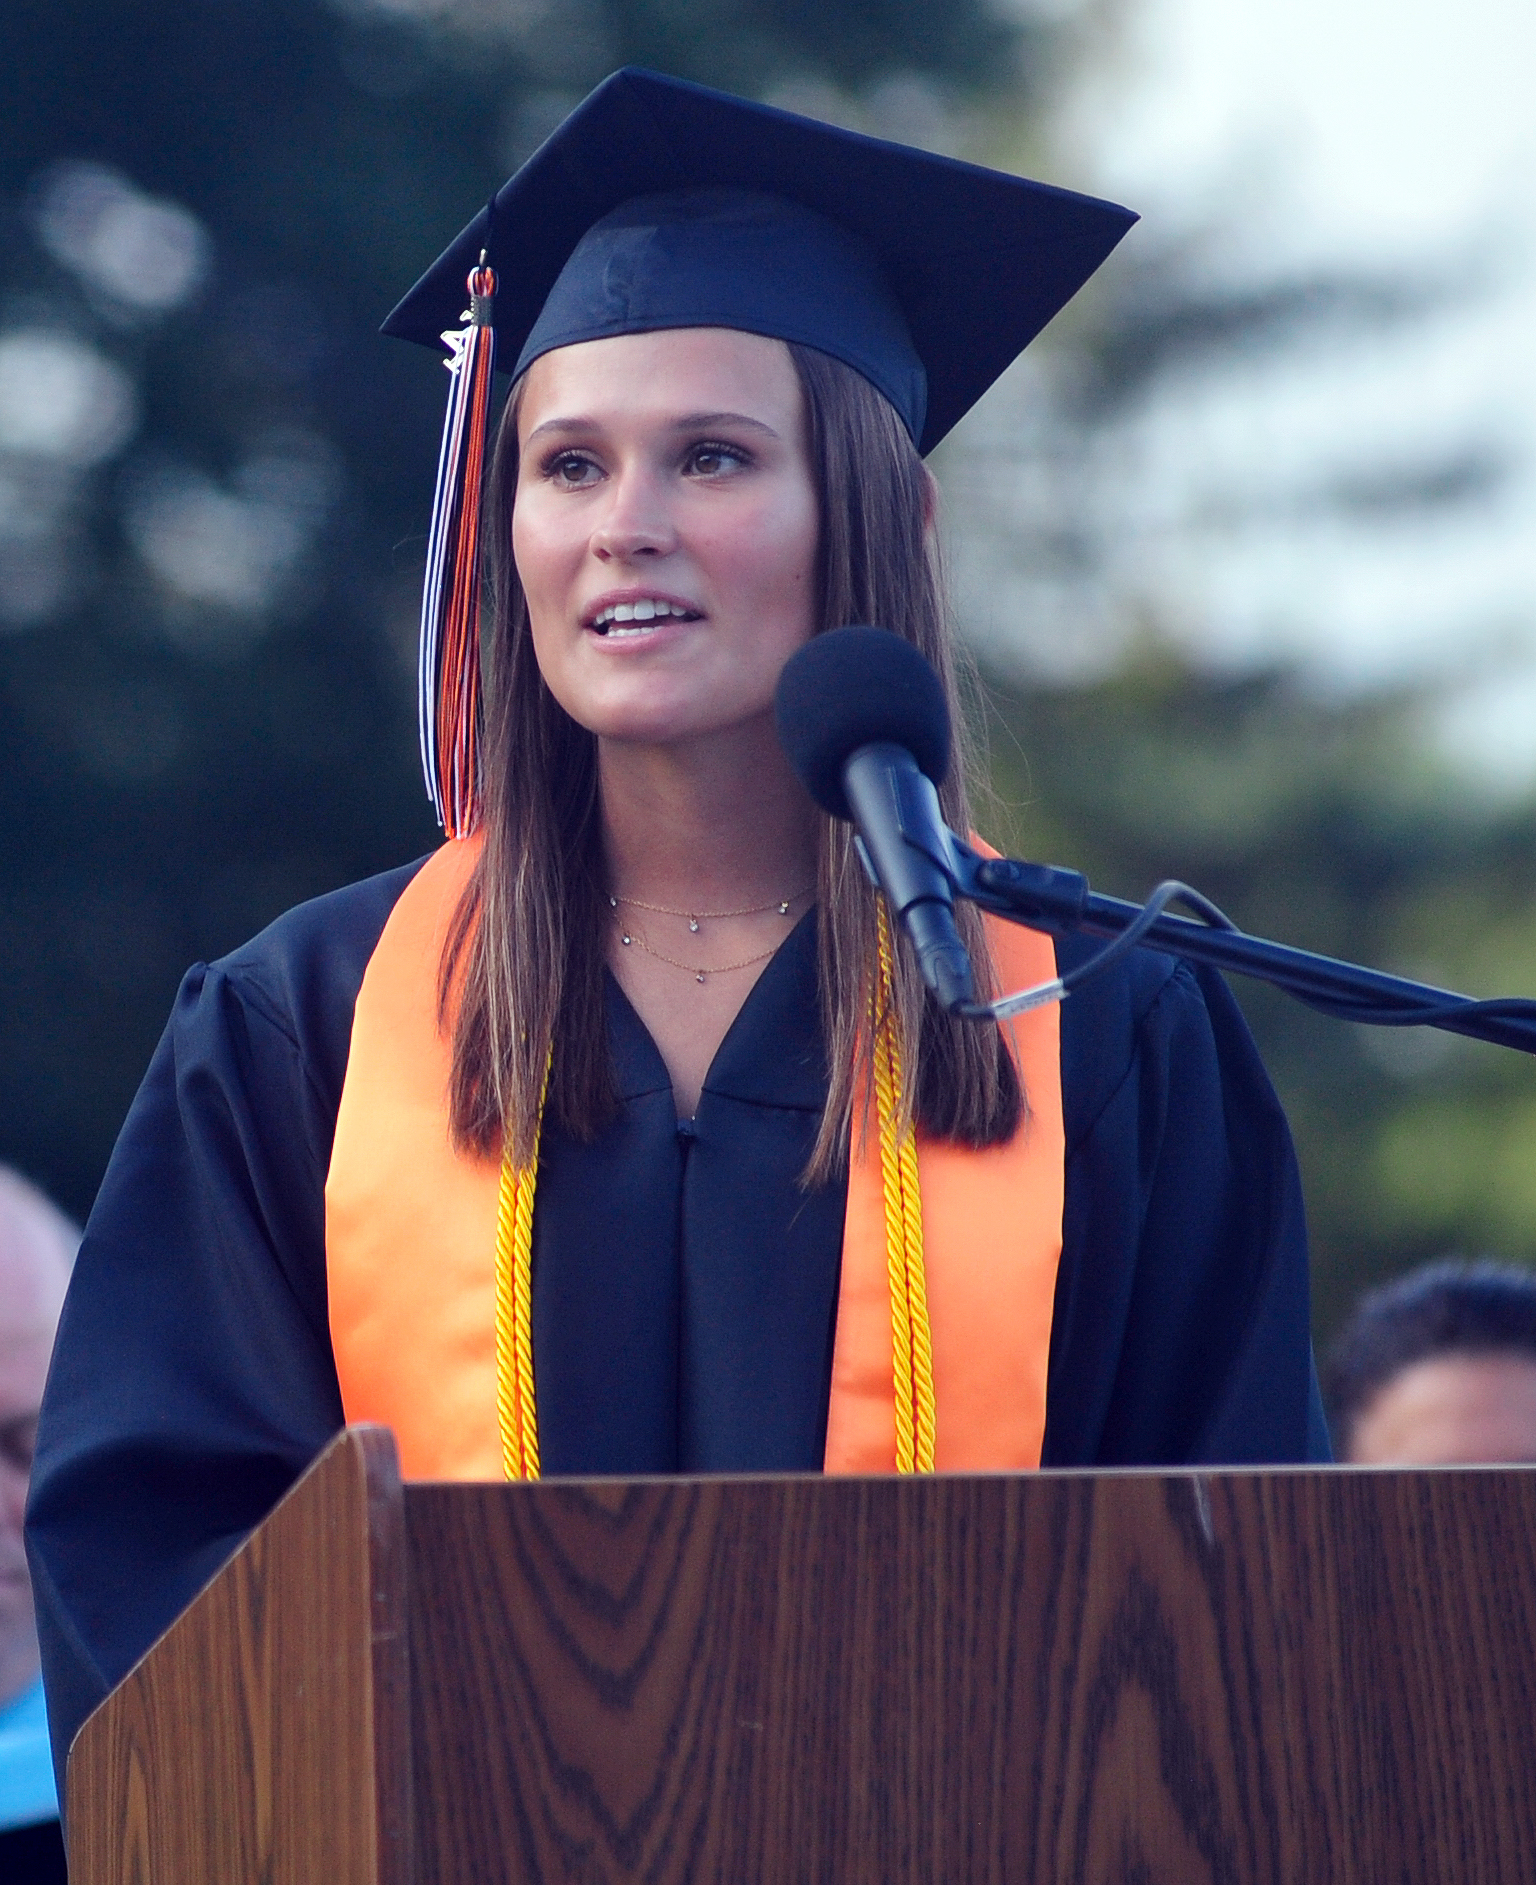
(719, 828)
(719, 824)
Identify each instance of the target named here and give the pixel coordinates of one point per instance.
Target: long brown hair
(526, 949)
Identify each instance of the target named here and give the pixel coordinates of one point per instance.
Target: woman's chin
(671, 725)
(659, 730)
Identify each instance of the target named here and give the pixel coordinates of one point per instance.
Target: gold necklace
(696, 917)
(698, 974)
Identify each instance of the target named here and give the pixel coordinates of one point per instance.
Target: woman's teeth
(636, 617)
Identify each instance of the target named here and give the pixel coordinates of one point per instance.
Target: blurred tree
(215, 477)
(1200, 413)
(1327, 825)
(1084, 505)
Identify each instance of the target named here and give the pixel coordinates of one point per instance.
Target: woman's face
(665, 529)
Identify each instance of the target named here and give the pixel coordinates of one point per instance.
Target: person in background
(37, 1249)
(1438, 1369)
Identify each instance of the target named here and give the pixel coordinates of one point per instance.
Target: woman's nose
(637, 521)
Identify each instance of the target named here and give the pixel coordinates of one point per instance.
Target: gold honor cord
(516, 1410)
(911, 1344)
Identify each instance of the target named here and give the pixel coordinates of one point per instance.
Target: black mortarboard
(972, 262)
(661, 204)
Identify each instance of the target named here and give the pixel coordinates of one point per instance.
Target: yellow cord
(911, 1342)
(911, 1339)
(516, 1409)
(887, 1088)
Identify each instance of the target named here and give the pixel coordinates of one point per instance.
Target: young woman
(619, 1135)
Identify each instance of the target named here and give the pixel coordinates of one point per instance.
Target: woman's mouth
(642, 617)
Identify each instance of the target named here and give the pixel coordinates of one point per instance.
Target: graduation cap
(659, 203)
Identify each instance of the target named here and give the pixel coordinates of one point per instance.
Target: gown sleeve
(1182, 1323)
(192, 1378)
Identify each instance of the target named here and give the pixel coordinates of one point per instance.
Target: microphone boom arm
(864, 720)
(1060, 901)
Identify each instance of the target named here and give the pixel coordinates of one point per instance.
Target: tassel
(449, 669)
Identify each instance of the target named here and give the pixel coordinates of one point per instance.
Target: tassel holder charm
(448, 675)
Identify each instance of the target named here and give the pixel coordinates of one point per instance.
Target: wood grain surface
(1129, 1678)
(265, 1739)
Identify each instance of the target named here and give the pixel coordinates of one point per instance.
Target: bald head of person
(1438, 1369)
(37, 1249)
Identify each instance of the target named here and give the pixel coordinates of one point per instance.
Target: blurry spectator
(1438, 1369)
(37, 1247)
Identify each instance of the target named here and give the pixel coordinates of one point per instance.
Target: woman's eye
(710, 461)
(570, 468)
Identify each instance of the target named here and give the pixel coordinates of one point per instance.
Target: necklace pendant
(613, 903)
(625, 940)
(784, 907)
(700, 976)
(693, 924)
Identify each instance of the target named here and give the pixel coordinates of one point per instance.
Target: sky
(1366, 131)
(1389, 120)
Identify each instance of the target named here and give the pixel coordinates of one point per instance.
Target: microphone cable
(1168, 892)
(1340, 990)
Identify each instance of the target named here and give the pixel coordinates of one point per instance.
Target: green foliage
(1325, 825)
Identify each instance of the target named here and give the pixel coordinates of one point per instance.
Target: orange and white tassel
(448, 674)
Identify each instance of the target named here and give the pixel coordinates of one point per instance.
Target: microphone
(865, 723)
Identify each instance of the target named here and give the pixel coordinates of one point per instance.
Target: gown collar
(772, 1054)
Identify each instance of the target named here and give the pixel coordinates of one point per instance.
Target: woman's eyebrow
(560, 425)
(689, 422)
(697, 421)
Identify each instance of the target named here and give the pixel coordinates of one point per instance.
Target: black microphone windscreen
(850, 688)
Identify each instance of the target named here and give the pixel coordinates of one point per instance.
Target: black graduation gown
(193, 1378)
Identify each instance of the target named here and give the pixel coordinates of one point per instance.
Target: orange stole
(410, 1230)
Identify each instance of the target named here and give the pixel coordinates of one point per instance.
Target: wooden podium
(1308, 1676)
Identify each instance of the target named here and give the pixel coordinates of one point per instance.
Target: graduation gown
(193, 1378)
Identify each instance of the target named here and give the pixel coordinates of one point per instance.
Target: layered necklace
(631, 937)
